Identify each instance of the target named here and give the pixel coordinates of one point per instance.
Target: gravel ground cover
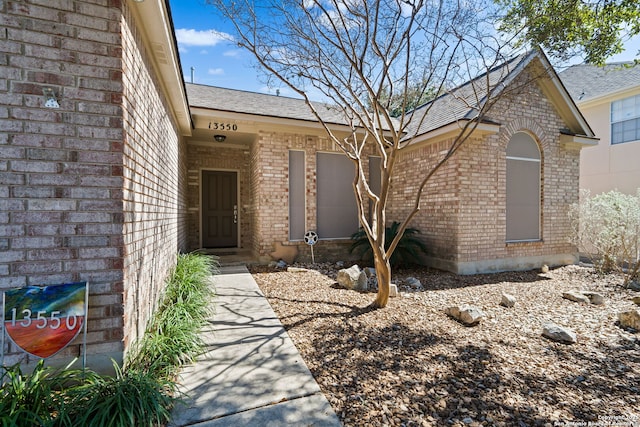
(409, 364)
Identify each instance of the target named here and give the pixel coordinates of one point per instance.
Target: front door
(219, 209)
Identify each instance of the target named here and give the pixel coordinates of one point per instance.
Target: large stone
(630, 319)
(634, 285)
(594, 297)
(508, 300)
(636, 300)
(466, 314)
(576, 296)
(352, 278)
(558, 333)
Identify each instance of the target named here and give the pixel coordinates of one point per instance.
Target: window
(337, 210)
(523, 189)
(296, 195)
(625, 120)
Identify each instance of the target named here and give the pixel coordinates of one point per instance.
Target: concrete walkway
(252, 374)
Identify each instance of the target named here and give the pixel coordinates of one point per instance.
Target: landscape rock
(300, 270)
(352, 278)
(634, 285)
(636, 300)
(544, 269)
(558, 333)
(576, 296)
(340, 264)
(393, 291)
(594, 297)
(281, 264)
(508, 300)
(413, 283)
(370, 272)
(630, 319)
(465, 314)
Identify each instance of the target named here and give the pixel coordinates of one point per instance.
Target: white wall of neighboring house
(607, 167)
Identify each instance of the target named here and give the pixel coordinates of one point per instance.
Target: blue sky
(203, 46)
(218, 62)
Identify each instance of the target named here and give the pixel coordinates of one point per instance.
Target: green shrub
(143, 392)
(131, 398)
(30, 399)
(173, 337)
(408, 250)
(606, 227)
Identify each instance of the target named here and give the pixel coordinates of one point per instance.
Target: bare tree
(369, 58)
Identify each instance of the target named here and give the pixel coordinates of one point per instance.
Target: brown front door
(219, 209)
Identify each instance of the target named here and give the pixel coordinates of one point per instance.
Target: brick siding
(463, 216)
(155, 185)
(93, 190)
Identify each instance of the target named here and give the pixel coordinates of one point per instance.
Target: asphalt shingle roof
(457, 104)
(462, 102)
(260, 104)
(585, 82)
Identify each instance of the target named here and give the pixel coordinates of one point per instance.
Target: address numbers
(223, 126)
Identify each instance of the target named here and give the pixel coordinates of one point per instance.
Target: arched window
(523, 189)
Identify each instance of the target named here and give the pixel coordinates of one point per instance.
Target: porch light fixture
(50, 98)
(219, 138)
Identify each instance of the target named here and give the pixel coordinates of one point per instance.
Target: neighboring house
(135, 166)
(609, 98)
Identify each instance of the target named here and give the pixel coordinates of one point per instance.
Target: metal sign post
(311, 238)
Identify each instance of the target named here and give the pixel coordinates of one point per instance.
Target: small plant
(131, 398)
(37, 398)
(408, 250)
(172, 338)
(143, 392)
(606, 227)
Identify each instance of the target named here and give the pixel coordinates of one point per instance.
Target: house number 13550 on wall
(42, 320)
(223, 126)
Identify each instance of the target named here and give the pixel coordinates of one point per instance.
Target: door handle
(235, 214)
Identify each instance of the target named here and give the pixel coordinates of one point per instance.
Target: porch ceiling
(236, 132)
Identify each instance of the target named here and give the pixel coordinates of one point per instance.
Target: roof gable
(464, 102)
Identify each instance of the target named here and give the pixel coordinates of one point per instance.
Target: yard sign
(42, 320)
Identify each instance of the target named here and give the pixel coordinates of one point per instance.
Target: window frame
(294, 195)
(632, 116)
(510, 159)
(320, 224)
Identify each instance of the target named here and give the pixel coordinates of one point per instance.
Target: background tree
(364, 58)
(595, 30)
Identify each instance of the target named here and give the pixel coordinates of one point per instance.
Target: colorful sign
(44, 320)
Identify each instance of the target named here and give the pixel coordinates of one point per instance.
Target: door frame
(201, 199)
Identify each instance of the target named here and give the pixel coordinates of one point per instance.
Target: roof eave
(154, 20)
(578, 141)
(555, 91)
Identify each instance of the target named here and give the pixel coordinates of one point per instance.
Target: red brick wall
(94, 190)
(462, 213)
(61, 216)
(155, 185)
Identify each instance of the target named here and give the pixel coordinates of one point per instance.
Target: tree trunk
(383, 274)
